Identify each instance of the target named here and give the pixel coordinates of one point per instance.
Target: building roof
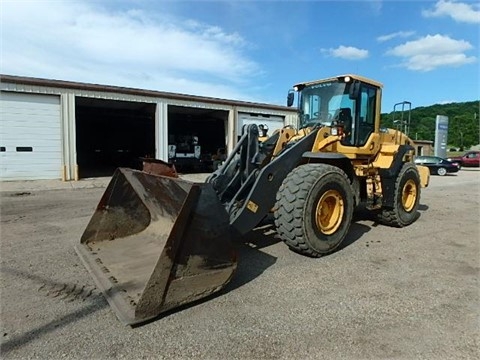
(12, 79)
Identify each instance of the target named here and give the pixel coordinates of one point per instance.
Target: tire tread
(391, 216)
(290, 199)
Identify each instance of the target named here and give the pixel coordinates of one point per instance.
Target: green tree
(464, 122)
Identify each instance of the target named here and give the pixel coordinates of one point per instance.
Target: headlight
(334, 131)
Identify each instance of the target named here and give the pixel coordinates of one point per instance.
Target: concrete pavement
(39, 185)
(98, 182)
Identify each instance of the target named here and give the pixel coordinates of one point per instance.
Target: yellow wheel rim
(409, 195)
(329, 212)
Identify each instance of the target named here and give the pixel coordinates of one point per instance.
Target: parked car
(437, 165)
(469, 159)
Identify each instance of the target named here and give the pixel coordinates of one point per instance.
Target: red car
(469, 159)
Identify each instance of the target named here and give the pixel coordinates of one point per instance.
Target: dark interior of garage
(205, 127)
(111, 134)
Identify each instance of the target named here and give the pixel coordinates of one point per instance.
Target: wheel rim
(409, 195)
(442, 171)
(329, 212)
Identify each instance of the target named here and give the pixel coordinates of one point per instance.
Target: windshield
(321, 103)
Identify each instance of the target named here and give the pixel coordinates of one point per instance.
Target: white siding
(31, 121)
(272, 121)
(291, 119)
(49, 127)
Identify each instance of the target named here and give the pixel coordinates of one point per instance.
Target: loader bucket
(155, 243)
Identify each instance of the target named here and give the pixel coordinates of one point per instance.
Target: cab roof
(336, 78)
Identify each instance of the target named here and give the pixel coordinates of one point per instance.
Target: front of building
(54, 129)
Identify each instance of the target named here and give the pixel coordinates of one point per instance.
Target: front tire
(441, 171)
(406, 199)
(314, 209)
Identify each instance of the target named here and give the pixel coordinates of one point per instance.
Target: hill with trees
(463, 122)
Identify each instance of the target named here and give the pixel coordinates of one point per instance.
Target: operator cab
(348, 102)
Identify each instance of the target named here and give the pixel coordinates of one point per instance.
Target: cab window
(366, 121)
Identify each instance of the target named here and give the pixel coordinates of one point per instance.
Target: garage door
(30, 136)
(273, 122)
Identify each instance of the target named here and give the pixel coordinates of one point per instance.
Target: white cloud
(431, 44)
(431, 62)
(80, 41)
(458, 11)
(401, 34)
(347, 52)
(376, 6)
(433, 51)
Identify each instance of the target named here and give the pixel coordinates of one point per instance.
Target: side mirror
(290, 98)
(354, 90)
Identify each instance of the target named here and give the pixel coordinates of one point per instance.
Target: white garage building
(52, 129)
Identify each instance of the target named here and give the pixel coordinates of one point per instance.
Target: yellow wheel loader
(157, 242)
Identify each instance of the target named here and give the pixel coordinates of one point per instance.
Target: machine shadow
(423, 207)
(355, 233)
(252, 261)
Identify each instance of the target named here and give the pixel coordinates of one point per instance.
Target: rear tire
(314, 209)
(441, 171)
(406, 199)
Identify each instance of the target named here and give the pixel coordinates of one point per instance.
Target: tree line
(463, 122)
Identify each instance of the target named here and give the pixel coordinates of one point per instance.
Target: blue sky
(425, 52)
